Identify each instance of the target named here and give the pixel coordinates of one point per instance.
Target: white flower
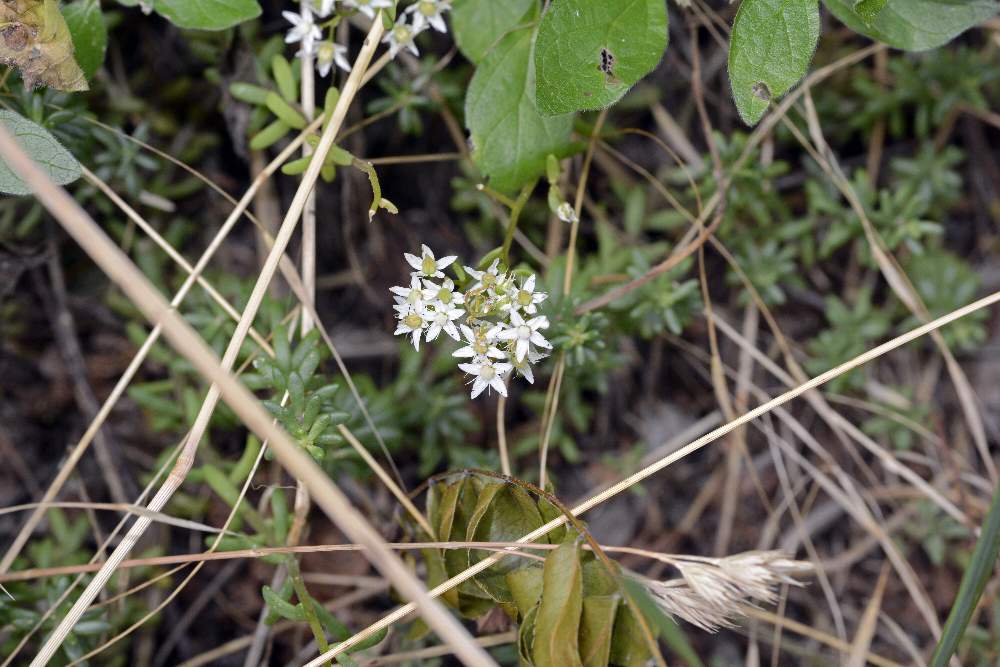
(412, 322)
(401, 37)
(443, 319)
(413, 295)
(525, 298)
(523, 333)
(368, 7)
(487, 374)
(566, 212)
(480, 345)
(328, 53)
(303, 30)
(426, 266)
(323, 8)
(443, 295)
(488, 279)
(429, 12)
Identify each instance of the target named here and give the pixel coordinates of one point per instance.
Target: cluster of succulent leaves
(23, 604)
(570, 610)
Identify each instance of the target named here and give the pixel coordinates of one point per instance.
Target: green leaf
(526, 638)
(511, 139)
(479, 24)
(596, 627)
(207, 14)
(589, 53)
(89, 33)
(772, 44)
(916, 25)
(525, 587)
(869, 10)
(557, 625)
(57, 162)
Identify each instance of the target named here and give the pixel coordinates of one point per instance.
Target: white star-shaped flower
(524, 333)
(487, 374)
(489, 279)
(368, 7)
(401, 37)
(444, 320)
(303, 30)
(328, 53)
(426, 265)
(525, 297)
(411, 323)
(443, 294)
(429, 12)
(480, 345)
(413, 295)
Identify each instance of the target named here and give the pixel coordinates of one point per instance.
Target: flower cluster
(319, 16)
(496, 318)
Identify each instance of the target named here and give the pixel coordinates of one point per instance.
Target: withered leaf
(557, 624)
(596, 626)
(36, 40)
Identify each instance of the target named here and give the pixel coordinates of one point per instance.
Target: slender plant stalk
(981, 567)
(669, 460)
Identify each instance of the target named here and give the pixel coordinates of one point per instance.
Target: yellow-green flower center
(487, 373)
(427, 8)
(523, 297)
(402, 34)
(428, 266)
(413, 320)
(324, 52)
(444, 295)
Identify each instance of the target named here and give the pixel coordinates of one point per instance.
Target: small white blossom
(328, 53)
(524, 333)
(444, 320)
(412, 323)
(489, 279)
(426, 265)
(429, 12)
(525, 297)
(443, 295)
(480, 345)
(487, 374)
(368, 7)
(401, 37)
(566, 212)
(413, 295)
(523, 367)
(303, 30)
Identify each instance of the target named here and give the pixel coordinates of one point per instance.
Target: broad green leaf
(207, 14)
(916, 25)
(525, 587)
(596, 627)
(868, 10)
(557, 625)
(479, 24)
(550, 512)
(628, 647)
(510, 138)
(590, 52)
(57, 162)
(772, 44)
(89, 33)
(441, 505)
(511, 514)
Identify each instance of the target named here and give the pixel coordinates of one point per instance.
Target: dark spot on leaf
(761, 91)
(607, 62)
(16, 36)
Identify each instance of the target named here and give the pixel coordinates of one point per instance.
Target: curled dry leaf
(36, 40)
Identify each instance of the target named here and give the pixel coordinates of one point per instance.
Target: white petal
(495, 353)
(540, 341)
(292, 18)
(445, 261)
(451, 330)
(426, 251)
(477, 386)
(468, 333)
(516, 319)
(416, 339)
(438, 23)
(498, 384)
(507, 334)
(521, 349)
(471, 369)
(540, 322)
(466, 352)
(529, 284)
(433, 332)
(412, 260)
